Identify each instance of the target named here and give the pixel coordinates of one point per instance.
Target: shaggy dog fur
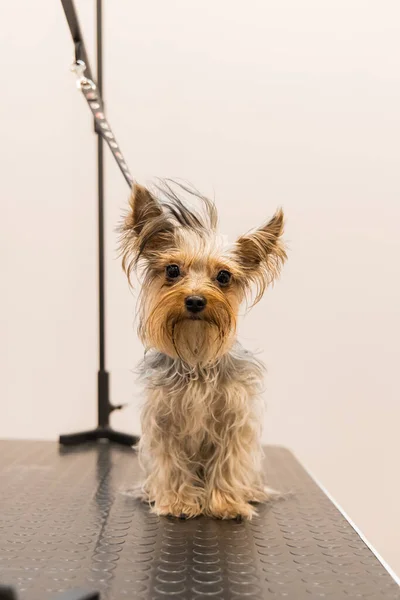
(200, 446)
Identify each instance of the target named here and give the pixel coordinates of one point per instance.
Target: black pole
(100, 189)
(103, 388)
(104, 406)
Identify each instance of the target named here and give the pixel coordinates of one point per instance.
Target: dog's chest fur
(201, 407)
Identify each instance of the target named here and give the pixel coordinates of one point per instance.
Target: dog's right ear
(146, 230)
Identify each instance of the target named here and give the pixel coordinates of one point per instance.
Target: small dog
(201, 446)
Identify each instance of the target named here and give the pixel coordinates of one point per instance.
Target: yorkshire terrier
(201, 425)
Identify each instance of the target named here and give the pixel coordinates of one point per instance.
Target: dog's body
(201, 422)
(201, 436)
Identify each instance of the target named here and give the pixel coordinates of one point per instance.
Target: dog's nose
(195, 304)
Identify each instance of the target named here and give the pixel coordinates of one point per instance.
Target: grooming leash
(102, 127)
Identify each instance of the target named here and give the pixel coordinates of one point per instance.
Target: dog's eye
(172, 271)
(224, 277)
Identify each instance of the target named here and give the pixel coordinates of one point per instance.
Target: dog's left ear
(261, 253)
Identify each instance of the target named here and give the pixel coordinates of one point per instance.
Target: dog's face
(193, 286)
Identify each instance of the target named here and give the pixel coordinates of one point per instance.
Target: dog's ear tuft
(146, 230)
(144, 208)
(261, 253)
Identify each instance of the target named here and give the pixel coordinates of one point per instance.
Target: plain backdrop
(258, 104)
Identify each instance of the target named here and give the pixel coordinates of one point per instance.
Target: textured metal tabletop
(66, 522)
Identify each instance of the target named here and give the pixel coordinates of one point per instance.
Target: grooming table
(66, 522)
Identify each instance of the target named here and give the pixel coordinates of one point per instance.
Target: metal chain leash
(95, 103)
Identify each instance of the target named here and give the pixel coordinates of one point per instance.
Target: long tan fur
(200, 446)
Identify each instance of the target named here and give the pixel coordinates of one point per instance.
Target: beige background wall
(262, 103)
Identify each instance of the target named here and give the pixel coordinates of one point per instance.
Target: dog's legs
(233, 477)
(172, 486)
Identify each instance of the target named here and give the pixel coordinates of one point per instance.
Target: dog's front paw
(224, 507)
(177, 509)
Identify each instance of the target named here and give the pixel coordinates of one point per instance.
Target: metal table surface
(66, 522)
